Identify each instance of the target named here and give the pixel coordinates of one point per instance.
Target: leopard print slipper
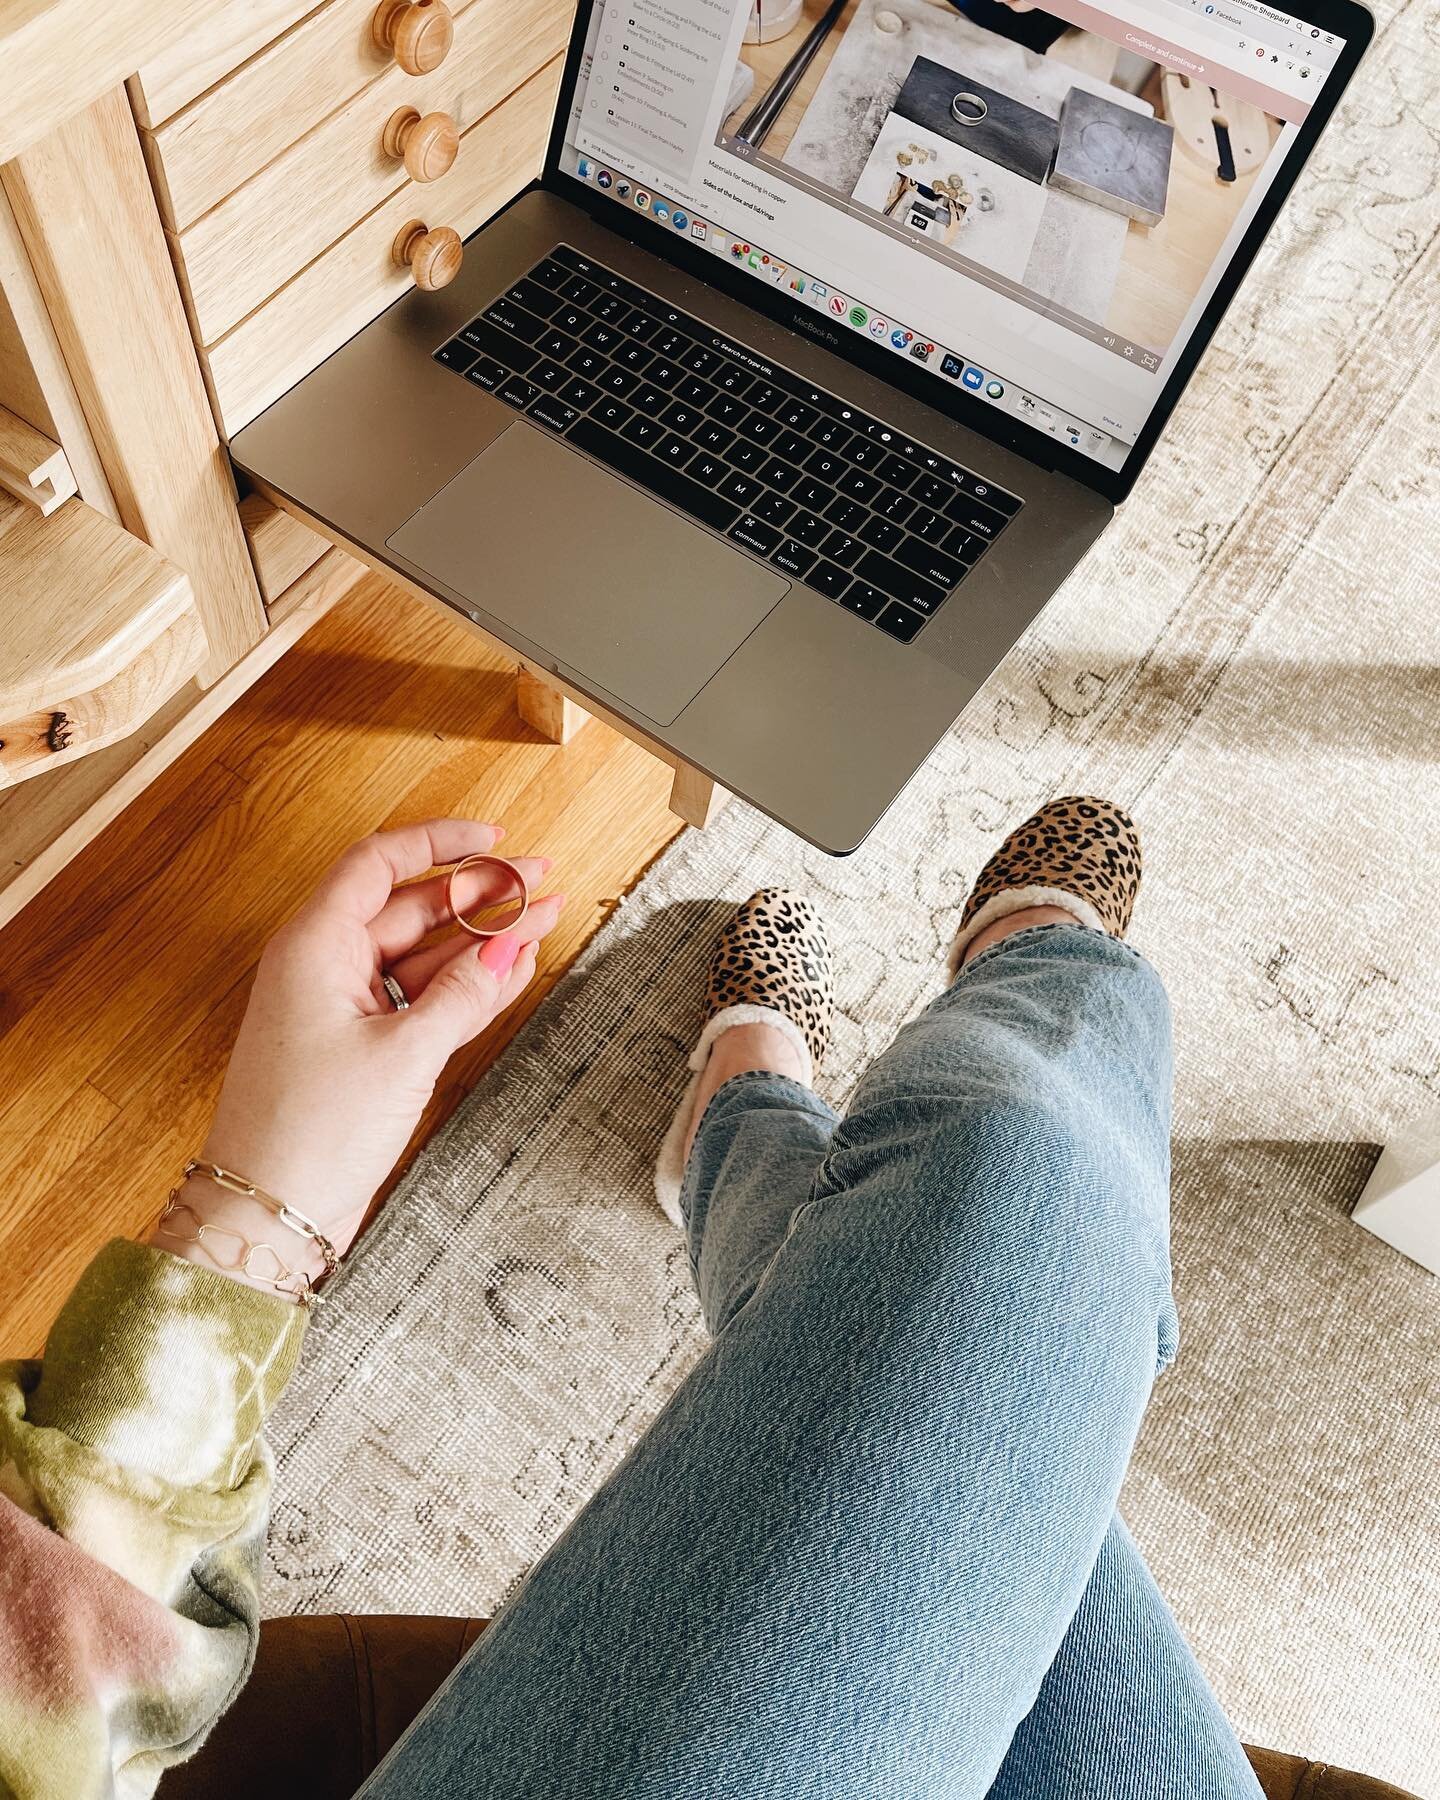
(771, 966)
(1079, 854)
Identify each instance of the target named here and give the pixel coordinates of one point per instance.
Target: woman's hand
(327, 1080)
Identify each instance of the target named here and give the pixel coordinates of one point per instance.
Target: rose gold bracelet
(250, 1261)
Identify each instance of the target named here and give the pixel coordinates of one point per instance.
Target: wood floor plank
(118, 1005)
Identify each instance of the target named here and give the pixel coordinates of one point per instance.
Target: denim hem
(1030, 931)
(745, 1075)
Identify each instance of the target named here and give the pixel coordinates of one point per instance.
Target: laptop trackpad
(630, 595)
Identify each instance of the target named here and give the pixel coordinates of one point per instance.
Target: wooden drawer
(356, 278)
(230, 133)
(246, 248)
(99, 631)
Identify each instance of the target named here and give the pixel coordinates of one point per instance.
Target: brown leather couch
(329, 1696)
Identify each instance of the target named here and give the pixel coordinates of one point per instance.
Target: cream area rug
(1250, 661)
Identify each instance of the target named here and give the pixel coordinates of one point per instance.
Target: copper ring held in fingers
(488, 931)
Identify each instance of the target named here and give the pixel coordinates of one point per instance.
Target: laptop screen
(1034, 205)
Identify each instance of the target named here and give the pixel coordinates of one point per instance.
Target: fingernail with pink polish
(498, 956)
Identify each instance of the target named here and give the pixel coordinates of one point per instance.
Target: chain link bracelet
(249, 1259)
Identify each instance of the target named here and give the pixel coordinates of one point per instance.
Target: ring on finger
(393, 988)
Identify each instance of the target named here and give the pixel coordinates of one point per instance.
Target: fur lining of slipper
(1013, 900)
(670, 1166)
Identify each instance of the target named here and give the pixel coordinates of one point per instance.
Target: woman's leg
(1124, 1711)
(845, 1556)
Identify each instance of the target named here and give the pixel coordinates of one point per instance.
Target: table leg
(553, 714)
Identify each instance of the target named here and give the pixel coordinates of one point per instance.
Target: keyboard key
(767, 397)
(865, 453)
(754, 534)
(827, 466)
(728, 410)
(457, 355)
(797, 415)
(556, 344)
(932, 526)
(828, 580)
(672, 345)
(933, 564)
(513, 322)
(549, 411)
(707, 468)
(732, 380)
(809, 530)
(897, 471)
(612, 309)
(580, 291)
(634, 356)
(487, 373)
(774, 509)
(716, 438)
(863, 599)
(645, 432)
(489, 340)
(550, 375)
(855, 484)
(779, 475)
(517, 393)
(814, 494)
(882, 534)
(680, 418)
(960, 543)
(602, 337)
(571, 319)
(893, 506)
(589, 363)
(750, 457)
(975, 517)
(847, 514)
(670, 485)
(1005, 504)
(700, 362)
(832, 434)
(793, 558)
(899, 621)
(898, 582)
(742, 490)
(649, 400)
(550, 274)
(791, 447)
(610, 413)
(639, 327)
(930, 490)
(758, 429)
(695, 392)
(664, 374)
(619, 381)
(673, 449)
(842, 548)
(533, 298)
(579, 393)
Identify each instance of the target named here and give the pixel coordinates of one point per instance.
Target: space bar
(666, 484)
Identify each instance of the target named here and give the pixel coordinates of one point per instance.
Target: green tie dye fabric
(134, 1495)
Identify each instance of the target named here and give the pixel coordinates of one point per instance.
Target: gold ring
(493, 930)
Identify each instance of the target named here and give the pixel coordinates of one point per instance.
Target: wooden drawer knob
(417, 32)
(433, 254)
(428, 146)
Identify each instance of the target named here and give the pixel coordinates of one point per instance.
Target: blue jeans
(870, 1547)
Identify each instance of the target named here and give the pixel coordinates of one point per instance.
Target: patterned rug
(1250, 660)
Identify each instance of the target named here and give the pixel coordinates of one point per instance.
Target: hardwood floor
(121, 985)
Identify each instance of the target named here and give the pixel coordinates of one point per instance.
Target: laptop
(823, 348)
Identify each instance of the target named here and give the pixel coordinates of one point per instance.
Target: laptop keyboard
(841, 502)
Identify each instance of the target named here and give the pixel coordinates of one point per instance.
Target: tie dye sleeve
(134, 1496)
